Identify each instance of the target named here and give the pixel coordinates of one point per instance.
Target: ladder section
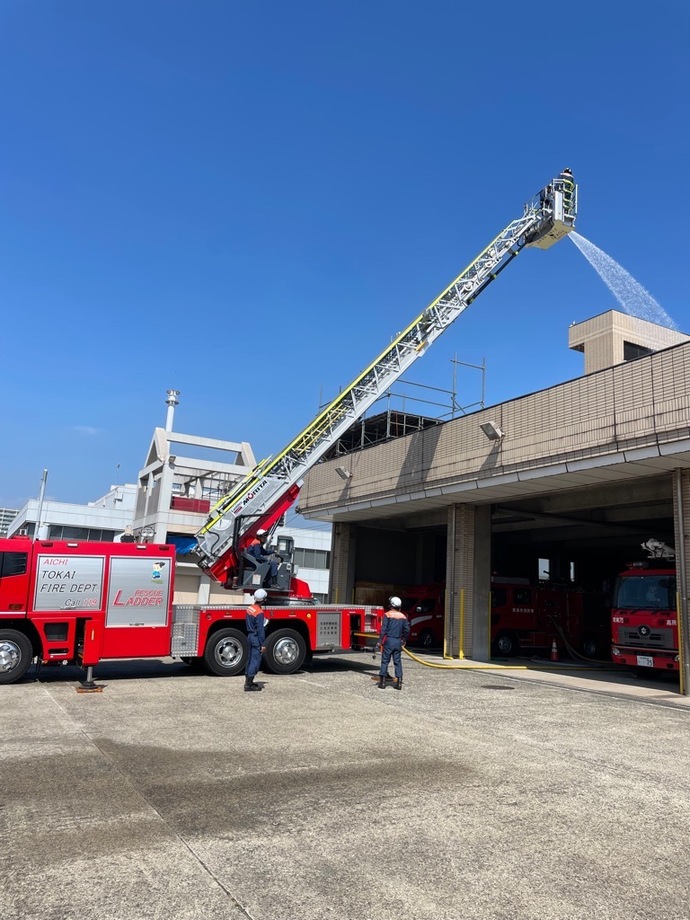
(545, 220)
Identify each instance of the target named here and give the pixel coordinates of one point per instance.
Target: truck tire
(426, 639)
(16, 655)
(505, 645)
(225, 654)
(286, 651)
(590, 647)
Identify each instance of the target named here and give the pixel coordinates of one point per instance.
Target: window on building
(312, 558)
(632, 351)
(88, 534)
(544, 569)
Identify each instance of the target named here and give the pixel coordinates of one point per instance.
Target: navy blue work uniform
(394, 632)
(256, 636)
(256, 550)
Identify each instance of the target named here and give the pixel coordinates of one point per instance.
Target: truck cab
(644, 622)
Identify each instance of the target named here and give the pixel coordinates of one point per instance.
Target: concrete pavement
(492, 794)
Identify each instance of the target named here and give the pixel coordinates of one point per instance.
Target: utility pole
(39, 513)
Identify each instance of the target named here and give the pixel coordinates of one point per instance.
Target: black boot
(397, 683)
(250, 685)
(382, 682)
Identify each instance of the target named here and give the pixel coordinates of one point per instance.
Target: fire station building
(572, 479)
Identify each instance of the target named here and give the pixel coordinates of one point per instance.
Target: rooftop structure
(612, 338)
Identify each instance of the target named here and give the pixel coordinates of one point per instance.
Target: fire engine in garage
(424, 606)
(644, 620)
(85, 602)
(526, 617)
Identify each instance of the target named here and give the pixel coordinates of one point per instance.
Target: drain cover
(496, 687)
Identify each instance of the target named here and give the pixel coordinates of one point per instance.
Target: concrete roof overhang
(617, 427)
(515, 486)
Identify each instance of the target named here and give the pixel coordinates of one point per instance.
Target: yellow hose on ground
(499, 667)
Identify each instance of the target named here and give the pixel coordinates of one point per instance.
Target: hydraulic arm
(263, 496)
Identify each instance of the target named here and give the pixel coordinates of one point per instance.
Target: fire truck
(527, 617)
(524, 617)
(86, 602)
(80, 603)
(644, 620)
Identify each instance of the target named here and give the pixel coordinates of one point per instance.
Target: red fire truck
(644, 621)
(81, 603)
(424, 607)
(526, 617)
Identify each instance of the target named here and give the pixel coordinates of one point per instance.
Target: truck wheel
(285, 651)
(16, 654)
(590, 647)
(226, 652)
(505, 645)
(426, 639)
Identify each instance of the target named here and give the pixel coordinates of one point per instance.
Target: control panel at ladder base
(259, 501)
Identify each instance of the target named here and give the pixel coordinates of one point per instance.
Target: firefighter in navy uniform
(256, 636)
(395, 630)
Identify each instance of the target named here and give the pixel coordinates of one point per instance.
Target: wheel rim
(228, 653)
(285, 651)
(10, 656)
(505, 645)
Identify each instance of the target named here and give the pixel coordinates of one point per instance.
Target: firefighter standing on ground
(394, 632)
(256, 637)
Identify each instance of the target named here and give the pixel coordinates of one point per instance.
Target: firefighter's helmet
(260, 595)
(395, 602)
(260, 531)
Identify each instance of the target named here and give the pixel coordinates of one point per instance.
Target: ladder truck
(259, 501)
(82, 603)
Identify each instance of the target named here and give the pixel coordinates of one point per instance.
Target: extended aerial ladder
(263, 496)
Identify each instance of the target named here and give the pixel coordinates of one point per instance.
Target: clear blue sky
(245, 201)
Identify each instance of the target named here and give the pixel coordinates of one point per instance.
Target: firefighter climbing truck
(81, 603)
(644, 620)
(87, 602)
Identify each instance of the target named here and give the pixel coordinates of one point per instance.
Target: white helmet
(395, 602)
(260, 595)
(260, 531)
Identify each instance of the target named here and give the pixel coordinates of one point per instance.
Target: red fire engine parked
(81, 603)
(525, 617)
(644, 621)
(424, 607)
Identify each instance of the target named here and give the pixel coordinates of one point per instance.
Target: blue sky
(246, 201)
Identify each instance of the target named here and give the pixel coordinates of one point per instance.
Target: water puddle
(633, 298)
